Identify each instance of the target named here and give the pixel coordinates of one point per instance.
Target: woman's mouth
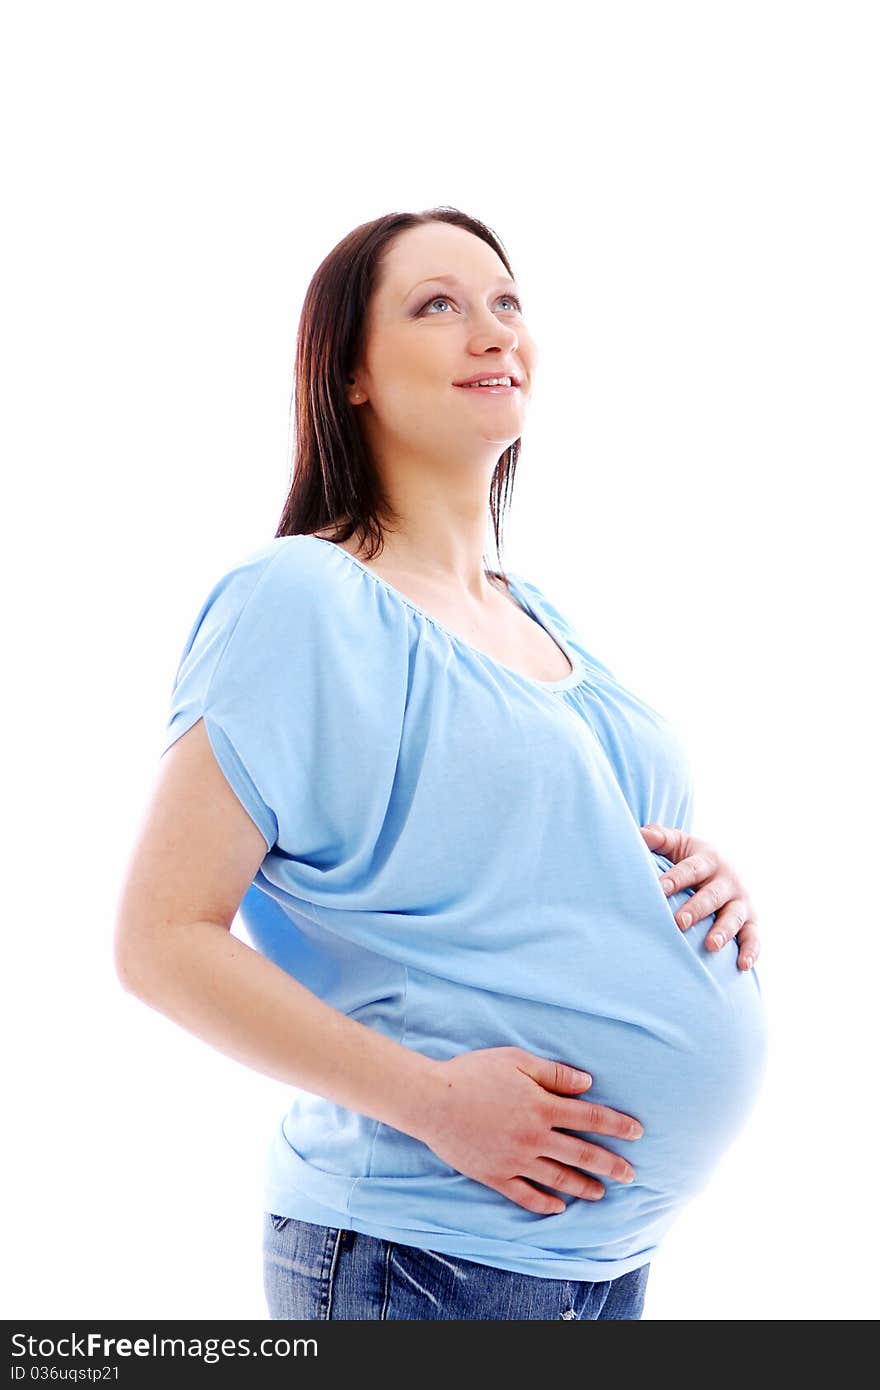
(491, 386)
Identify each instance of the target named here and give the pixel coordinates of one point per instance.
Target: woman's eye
(444, 299)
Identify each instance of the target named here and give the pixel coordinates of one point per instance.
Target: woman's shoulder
(284, 559)
(306, 599)
(291, 574)
(290, 596)
(286, 617)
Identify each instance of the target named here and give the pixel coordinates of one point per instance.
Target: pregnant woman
(432, 806)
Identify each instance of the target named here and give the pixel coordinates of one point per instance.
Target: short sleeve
(302, 695)
(225, 660)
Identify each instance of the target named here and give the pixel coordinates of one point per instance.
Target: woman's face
(445, 310)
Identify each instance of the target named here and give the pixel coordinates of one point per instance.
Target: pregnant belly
(689, 1070)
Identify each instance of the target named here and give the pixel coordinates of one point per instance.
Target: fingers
(575, 1154)
(687, 873)
(749, 946)
(665, 839)
(553, 1075)
(710, 898)
(524, 1195)
(728, 922)
(733, 920)
(562, 1178)
(596, 1119)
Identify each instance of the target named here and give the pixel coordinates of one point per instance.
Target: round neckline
(574, 676)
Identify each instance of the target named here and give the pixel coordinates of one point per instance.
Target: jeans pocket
(300, 1260)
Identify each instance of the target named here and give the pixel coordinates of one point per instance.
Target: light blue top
(454, 858)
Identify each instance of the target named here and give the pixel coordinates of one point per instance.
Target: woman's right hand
(498, 1120)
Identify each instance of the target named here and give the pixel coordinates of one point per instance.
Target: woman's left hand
(722, 892)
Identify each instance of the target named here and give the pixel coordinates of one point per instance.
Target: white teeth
(492, 381)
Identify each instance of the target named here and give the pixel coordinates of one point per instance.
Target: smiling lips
(477, 377)
(492, 386)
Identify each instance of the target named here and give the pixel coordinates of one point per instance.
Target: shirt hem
(300, 1207)
(325, 1199)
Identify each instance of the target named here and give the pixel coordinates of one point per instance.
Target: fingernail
(685, 919)
(749, 962)
(717, 940)
(666, 884)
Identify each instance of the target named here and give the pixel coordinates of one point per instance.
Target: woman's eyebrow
(504, 280)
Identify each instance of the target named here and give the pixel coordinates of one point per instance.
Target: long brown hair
(334, 482)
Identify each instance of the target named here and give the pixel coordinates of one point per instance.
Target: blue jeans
(315, 1272)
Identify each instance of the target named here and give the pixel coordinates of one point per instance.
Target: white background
(688, 193)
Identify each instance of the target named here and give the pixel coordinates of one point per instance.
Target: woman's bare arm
(196, 856)
(230, 995)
